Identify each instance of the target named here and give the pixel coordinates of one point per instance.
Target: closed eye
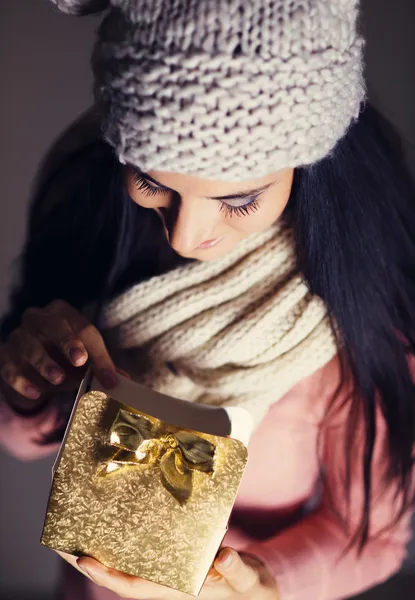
(241, 210)
(143, 185)
(249, 205)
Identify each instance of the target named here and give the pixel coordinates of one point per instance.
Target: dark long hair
(354, 219)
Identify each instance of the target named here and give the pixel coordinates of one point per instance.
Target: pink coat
(277, 515)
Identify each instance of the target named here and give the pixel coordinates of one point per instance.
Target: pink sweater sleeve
(306, 559)
(23, 437)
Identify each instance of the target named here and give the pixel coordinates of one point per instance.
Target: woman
(245, 235)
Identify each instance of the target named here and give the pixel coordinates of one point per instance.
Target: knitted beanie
(225, 89)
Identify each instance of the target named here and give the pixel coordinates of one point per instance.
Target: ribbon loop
(141, 441)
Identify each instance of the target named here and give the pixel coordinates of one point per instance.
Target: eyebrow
(236, 196)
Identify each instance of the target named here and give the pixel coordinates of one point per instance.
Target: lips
(209, 243)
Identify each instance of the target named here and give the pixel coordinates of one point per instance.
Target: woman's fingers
(91, 340)
(102, 364)
(126, 586)
(240, 576)
(12, 373)
(25, 347)
(52, 325)
(52, 346)
(232, 575)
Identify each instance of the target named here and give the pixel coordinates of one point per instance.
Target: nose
(192, 221)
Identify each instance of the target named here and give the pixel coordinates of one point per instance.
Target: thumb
(240, 576)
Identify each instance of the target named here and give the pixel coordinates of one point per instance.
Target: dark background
(45, 84)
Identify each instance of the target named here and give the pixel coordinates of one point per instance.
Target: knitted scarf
(241, 330)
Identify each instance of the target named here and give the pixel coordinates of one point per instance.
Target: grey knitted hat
(225, 89)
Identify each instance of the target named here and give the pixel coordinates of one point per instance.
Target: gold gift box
(142, 495)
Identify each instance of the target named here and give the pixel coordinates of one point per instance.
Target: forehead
(187, 184)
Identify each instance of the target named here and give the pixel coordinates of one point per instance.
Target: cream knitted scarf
(241, 330)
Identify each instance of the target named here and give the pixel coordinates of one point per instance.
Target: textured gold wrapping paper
(127, 519)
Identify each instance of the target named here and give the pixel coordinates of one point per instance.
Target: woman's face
(204, 219)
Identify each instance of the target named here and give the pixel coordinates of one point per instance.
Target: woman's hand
(233, 576)
(49, 351)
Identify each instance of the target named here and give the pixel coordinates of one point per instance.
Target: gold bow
(141, 441)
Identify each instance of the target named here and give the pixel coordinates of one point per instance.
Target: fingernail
(89, 572)
(54, 374)
(226, 558)
(31, 392)
(84, 569)
(108, 378)
(77, 356)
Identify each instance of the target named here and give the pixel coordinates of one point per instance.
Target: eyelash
(241, 211)
(143, 185)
